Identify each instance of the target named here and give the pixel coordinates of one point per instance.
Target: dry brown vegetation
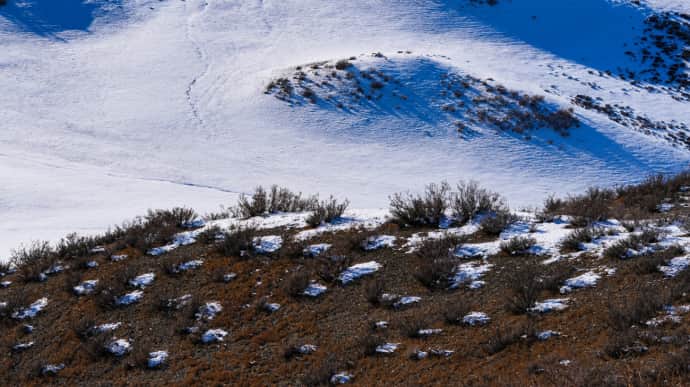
(602, 333)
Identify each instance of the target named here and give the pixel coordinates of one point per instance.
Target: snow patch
(359, 270)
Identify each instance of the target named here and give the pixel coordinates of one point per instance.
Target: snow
(189, 265)
(107, 327)
(268, 244)
(22, 346)
(381, 324)
(314, 290)
(378, 242)
(52, 369)
(143, 280)
(130, 298)
(545, 335)
(213, 335)
(316, 249)
(675, 266)
(387, 348)
(406, 301)
(86, 287)
(229, 277)
(91, 264)
(476, 318)
(32, 310)
(272, 307)
(584, 280)
(209, 311)
(341, 378)
(119, 347)
(550, 305)
(118, 258)
(157, 358)
(429, 331)
(470, 273)
(359, 270)
(144, 108)
(5, 284)
(306, 349)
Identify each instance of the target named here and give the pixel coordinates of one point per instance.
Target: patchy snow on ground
(675, 266)
(387, 348)
(143, 280)
(157, 359)
(379, 242)
(341, 378)
(32, 310)
(470, 273)
(307, 349)
(119, 347)
(208, 311)
(584, 280)
(189, 265)
(476, 318)
(268, 244)
(86, 287)
(316, 250)
(406, 301)
(314, 290)
(359, 270)
(545, 335)
(118, 258)
(107, 327)
(130, 298)
(551, 305)
(213, 335)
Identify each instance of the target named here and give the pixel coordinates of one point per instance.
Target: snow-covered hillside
(113, 106)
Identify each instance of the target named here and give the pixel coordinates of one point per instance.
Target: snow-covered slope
(151, 103)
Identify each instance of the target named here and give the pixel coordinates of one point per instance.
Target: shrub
(525, 286)
(574, 240)
(504, 337)
(258, 205)
(342, 64)
(296, 283)
(411, 326)
(455, 311)
(374, 290)
(33, 260)
(470, 200)
(238, 241)
(370, 342)
(643, 304)
(633, 242)
(176, 217)
(74, 246)
(495, 224)
(209, 235)
(329, 269)
(437, 248)
(327, 211)
(321, 374)
(517, 245)
(436, 273)
(277, 199)
(418, 210)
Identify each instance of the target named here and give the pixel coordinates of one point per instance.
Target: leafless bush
(504, 337)
(277, 199)
(471, 199)
(419, 210)
(574, 240)
(374, 290)
(455, 311)
(342, 64)
(327, 211)
(33, 260)
(74, 246)
(238, 241)
(329, 269)
(436, 273)
(518, 245)
(296, 283)
(370, 342)
(210, 235)
(436, 248)
(525, 286)
(496, 223)
(321, 374)
(633, 242)
(411, 326)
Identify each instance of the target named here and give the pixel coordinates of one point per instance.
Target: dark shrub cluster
(495, 223)
(33, 260)
(238, 241)
(420, 210)
(621, 248)
(277, 199)
(573, 241)
(525, 285)
(518, 245)
(327, 211)
(471, 199)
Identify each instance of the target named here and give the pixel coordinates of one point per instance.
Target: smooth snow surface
(119, 106)
(359, 270)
